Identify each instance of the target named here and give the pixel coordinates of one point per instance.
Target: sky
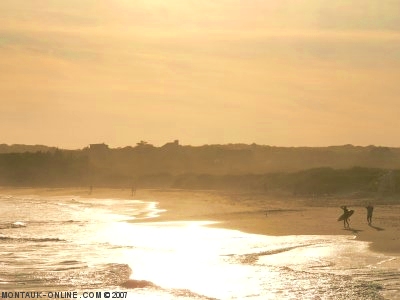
(283, 73)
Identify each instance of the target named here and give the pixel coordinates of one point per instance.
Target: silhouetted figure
(345, 216)
(90, 189)
(370, 209)
(133, 190)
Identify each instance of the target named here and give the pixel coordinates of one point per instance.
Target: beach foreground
(175, 244)
(257, 213)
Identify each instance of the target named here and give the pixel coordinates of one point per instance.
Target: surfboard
(346, 215)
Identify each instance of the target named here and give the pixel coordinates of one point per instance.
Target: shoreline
(256, 213)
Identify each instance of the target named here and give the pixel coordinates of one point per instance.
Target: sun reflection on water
(181, 255)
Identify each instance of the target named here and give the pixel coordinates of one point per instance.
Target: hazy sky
(287, 72)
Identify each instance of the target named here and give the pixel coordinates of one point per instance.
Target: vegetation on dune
(297, 171)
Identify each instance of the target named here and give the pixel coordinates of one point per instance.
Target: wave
(189, 294)
(37, 240)
(135, 284)
(141, 284)
(69, 262)
(70, 274)
(251, 258)
(111, 274)
(42, 222)
(17, 224)
(67, 265)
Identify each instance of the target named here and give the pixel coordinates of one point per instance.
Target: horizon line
(202, 145)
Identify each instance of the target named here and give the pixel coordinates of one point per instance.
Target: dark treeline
(43, 169)
(298, 171)
(18, 148)
(356, 181)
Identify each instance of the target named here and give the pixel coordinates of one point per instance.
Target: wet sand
(260, 214)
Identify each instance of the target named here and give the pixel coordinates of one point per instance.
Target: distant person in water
(370, 209)
(346, 216)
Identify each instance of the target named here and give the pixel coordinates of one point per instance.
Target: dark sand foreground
(261, 214)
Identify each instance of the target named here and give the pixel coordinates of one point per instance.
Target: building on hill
(171, 144)
(98, 147)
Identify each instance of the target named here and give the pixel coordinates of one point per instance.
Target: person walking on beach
(345, 216)
(370, 209)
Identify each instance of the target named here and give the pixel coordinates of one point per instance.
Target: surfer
(345, 216)
(370, 209)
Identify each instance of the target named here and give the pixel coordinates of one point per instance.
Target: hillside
(298, 171)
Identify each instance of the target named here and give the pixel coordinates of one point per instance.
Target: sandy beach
(258, 214)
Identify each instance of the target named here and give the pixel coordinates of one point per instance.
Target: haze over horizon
(183, 144)
(287, 73)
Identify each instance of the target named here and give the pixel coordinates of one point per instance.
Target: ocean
(68, 247)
